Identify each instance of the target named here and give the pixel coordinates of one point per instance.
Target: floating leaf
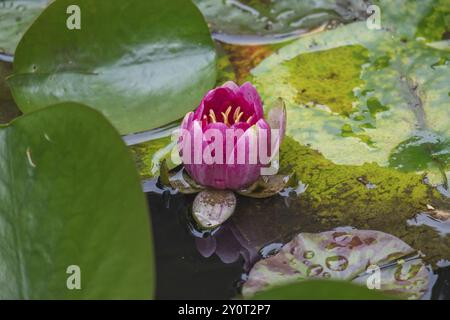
(146, 69)
(356, 95)
(266, 186)
(70, 195)
(343, 255)
(259, 21)
(15, 18)
(211, 208)
(178, 179)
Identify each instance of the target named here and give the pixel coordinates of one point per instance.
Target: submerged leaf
(211, 208)
(352, 255)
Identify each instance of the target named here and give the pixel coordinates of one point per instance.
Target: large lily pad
(343, 255)
(359, 95)
(70, 195)
(15, 17)
(148, 68)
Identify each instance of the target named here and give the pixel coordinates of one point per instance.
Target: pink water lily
(231, 118)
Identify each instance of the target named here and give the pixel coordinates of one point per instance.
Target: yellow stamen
(238, 117)
(236, 113)
(225, 116)
(212, 115)
(249, 119)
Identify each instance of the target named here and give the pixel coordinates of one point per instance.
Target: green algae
(347, 131)
(436, 24)
(394, 88)
(149, 155)
(328, 77)
(366, 197)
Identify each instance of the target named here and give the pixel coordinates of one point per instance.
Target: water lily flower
(234, 115)
(227, 145)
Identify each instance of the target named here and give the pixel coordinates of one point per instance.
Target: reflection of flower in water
(228, 244)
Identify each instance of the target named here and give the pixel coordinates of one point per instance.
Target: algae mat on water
(365, 197)
(360, 96)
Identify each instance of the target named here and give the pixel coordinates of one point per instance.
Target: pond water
(183, 271)
(367, 138)
(195, 265)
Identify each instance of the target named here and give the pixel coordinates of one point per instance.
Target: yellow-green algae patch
(366, 197)
(322, 77)
(328, 77)
(149, 155)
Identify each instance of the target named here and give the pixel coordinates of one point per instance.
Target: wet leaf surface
(70, 195)
(359, 95)
(15, 18)
(261, 21)
(343, 255)
(143, 71)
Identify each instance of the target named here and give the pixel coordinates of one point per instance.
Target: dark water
(184, 273)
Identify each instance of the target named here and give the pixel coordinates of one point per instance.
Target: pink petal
(277, 117)
(249, 93)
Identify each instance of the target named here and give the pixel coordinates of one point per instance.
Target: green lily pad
(357, 95)
(148, 68)
(261, 21)
(344, 255)
(8, 109)
(15, 18)
(321, 290)
(70, 195)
